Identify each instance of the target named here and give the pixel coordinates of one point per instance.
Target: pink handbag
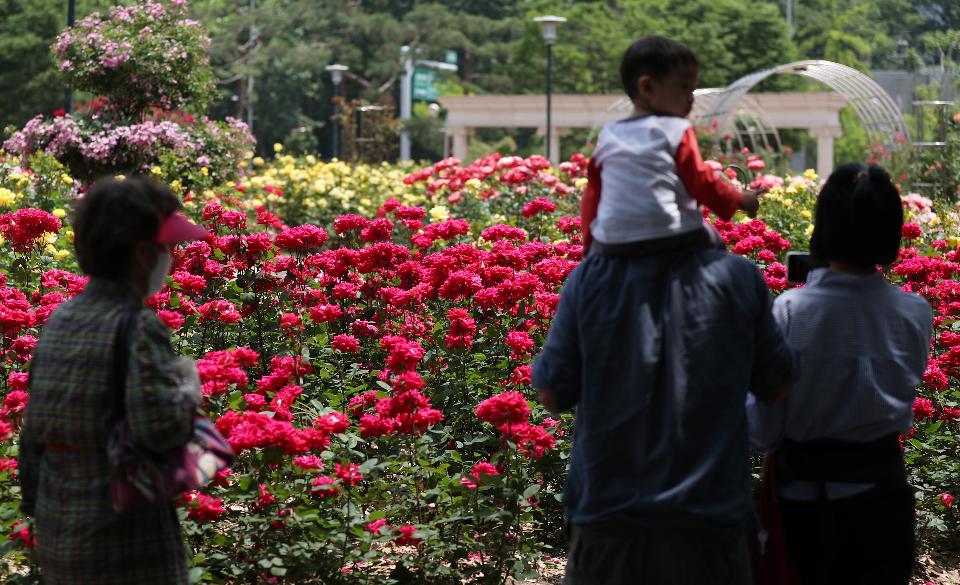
(139, 477)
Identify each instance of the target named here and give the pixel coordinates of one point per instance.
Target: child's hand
(750, 202)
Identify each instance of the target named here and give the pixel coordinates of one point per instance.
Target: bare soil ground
(940, 566)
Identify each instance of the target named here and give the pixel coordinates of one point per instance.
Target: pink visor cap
(177, 228)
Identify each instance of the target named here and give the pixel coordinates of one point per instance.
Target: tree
(29, 81)
(731, 38)
(940, 14)
(296, 39)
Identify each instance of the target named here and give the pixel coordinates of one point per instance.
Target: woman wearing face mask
(124, 234)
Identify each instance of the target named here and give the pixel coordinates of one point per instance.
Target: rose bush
(368, 355)
(142, 56)
(148, 67)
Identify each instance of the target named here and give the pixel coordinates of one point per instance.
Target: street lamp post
(71, 17)
(406, 100)
(790, 18)
(250, 79)
(336, 73)
(549, 35)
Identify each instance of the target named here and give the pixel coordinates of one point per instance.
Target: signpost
(416, 84)
(423, 84)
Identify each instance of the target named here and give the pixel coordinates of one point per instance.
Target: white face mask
(158, 276)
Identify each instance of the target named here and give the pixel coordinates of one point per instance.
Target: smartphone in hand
(799, 265)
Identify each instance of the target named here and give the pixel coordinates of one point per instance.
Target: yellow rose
(156, 171)
(806, 214)
(473, 184)
(7, 197)
(277, 147)
(809, 230)
(50, 249)
(60, 255)
(204, 171)
(67, 179)
(176, 185)
(580, 183)
(59, 213)
(810, 175)
(70, 236)
(120, 177)
(49, 239)
(439, 213)
(258, 161)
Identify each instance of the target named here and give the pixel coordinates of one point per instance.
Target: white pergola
(818, 113)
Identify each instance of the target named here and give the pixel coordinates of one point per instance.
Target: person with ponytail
(846, 507)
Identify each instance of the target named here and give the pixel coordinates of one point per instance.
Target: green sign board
(423, 84)
(452, 57)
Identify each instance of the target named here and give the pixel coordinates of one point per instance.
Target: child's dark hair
(654, 56)
(112, 217)
(859, 217)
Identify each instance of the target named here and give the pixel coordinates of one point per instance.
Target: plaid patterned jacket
(64, 472)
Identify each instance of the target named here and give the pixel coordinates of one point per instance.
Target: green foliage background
(286, 44)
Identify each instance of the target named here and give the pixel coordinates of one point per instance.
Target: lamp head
(336, 72)
(549, 27)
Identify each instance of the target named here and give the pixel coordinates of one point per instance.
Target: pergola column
(555, 135)
(825, 137)
(461, 141)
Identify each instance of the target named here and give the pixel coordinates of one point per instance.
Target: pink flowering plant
(142, 56)
(148, 65)
(95, 144)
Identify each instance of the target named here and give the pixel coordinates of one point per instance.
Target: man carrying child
(657, 339)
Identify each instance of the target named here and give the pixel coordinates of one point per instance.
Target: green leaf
(368, 465)
(531, 490)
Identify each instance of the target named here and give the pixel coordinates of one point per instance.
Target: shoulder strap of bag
(121, 357)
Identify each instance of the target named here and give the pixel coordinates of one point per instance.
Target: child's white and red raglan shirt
(653, 179)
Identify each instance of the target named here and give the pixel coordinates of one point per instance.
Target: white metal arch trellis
(749, 126)
(881, 117)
